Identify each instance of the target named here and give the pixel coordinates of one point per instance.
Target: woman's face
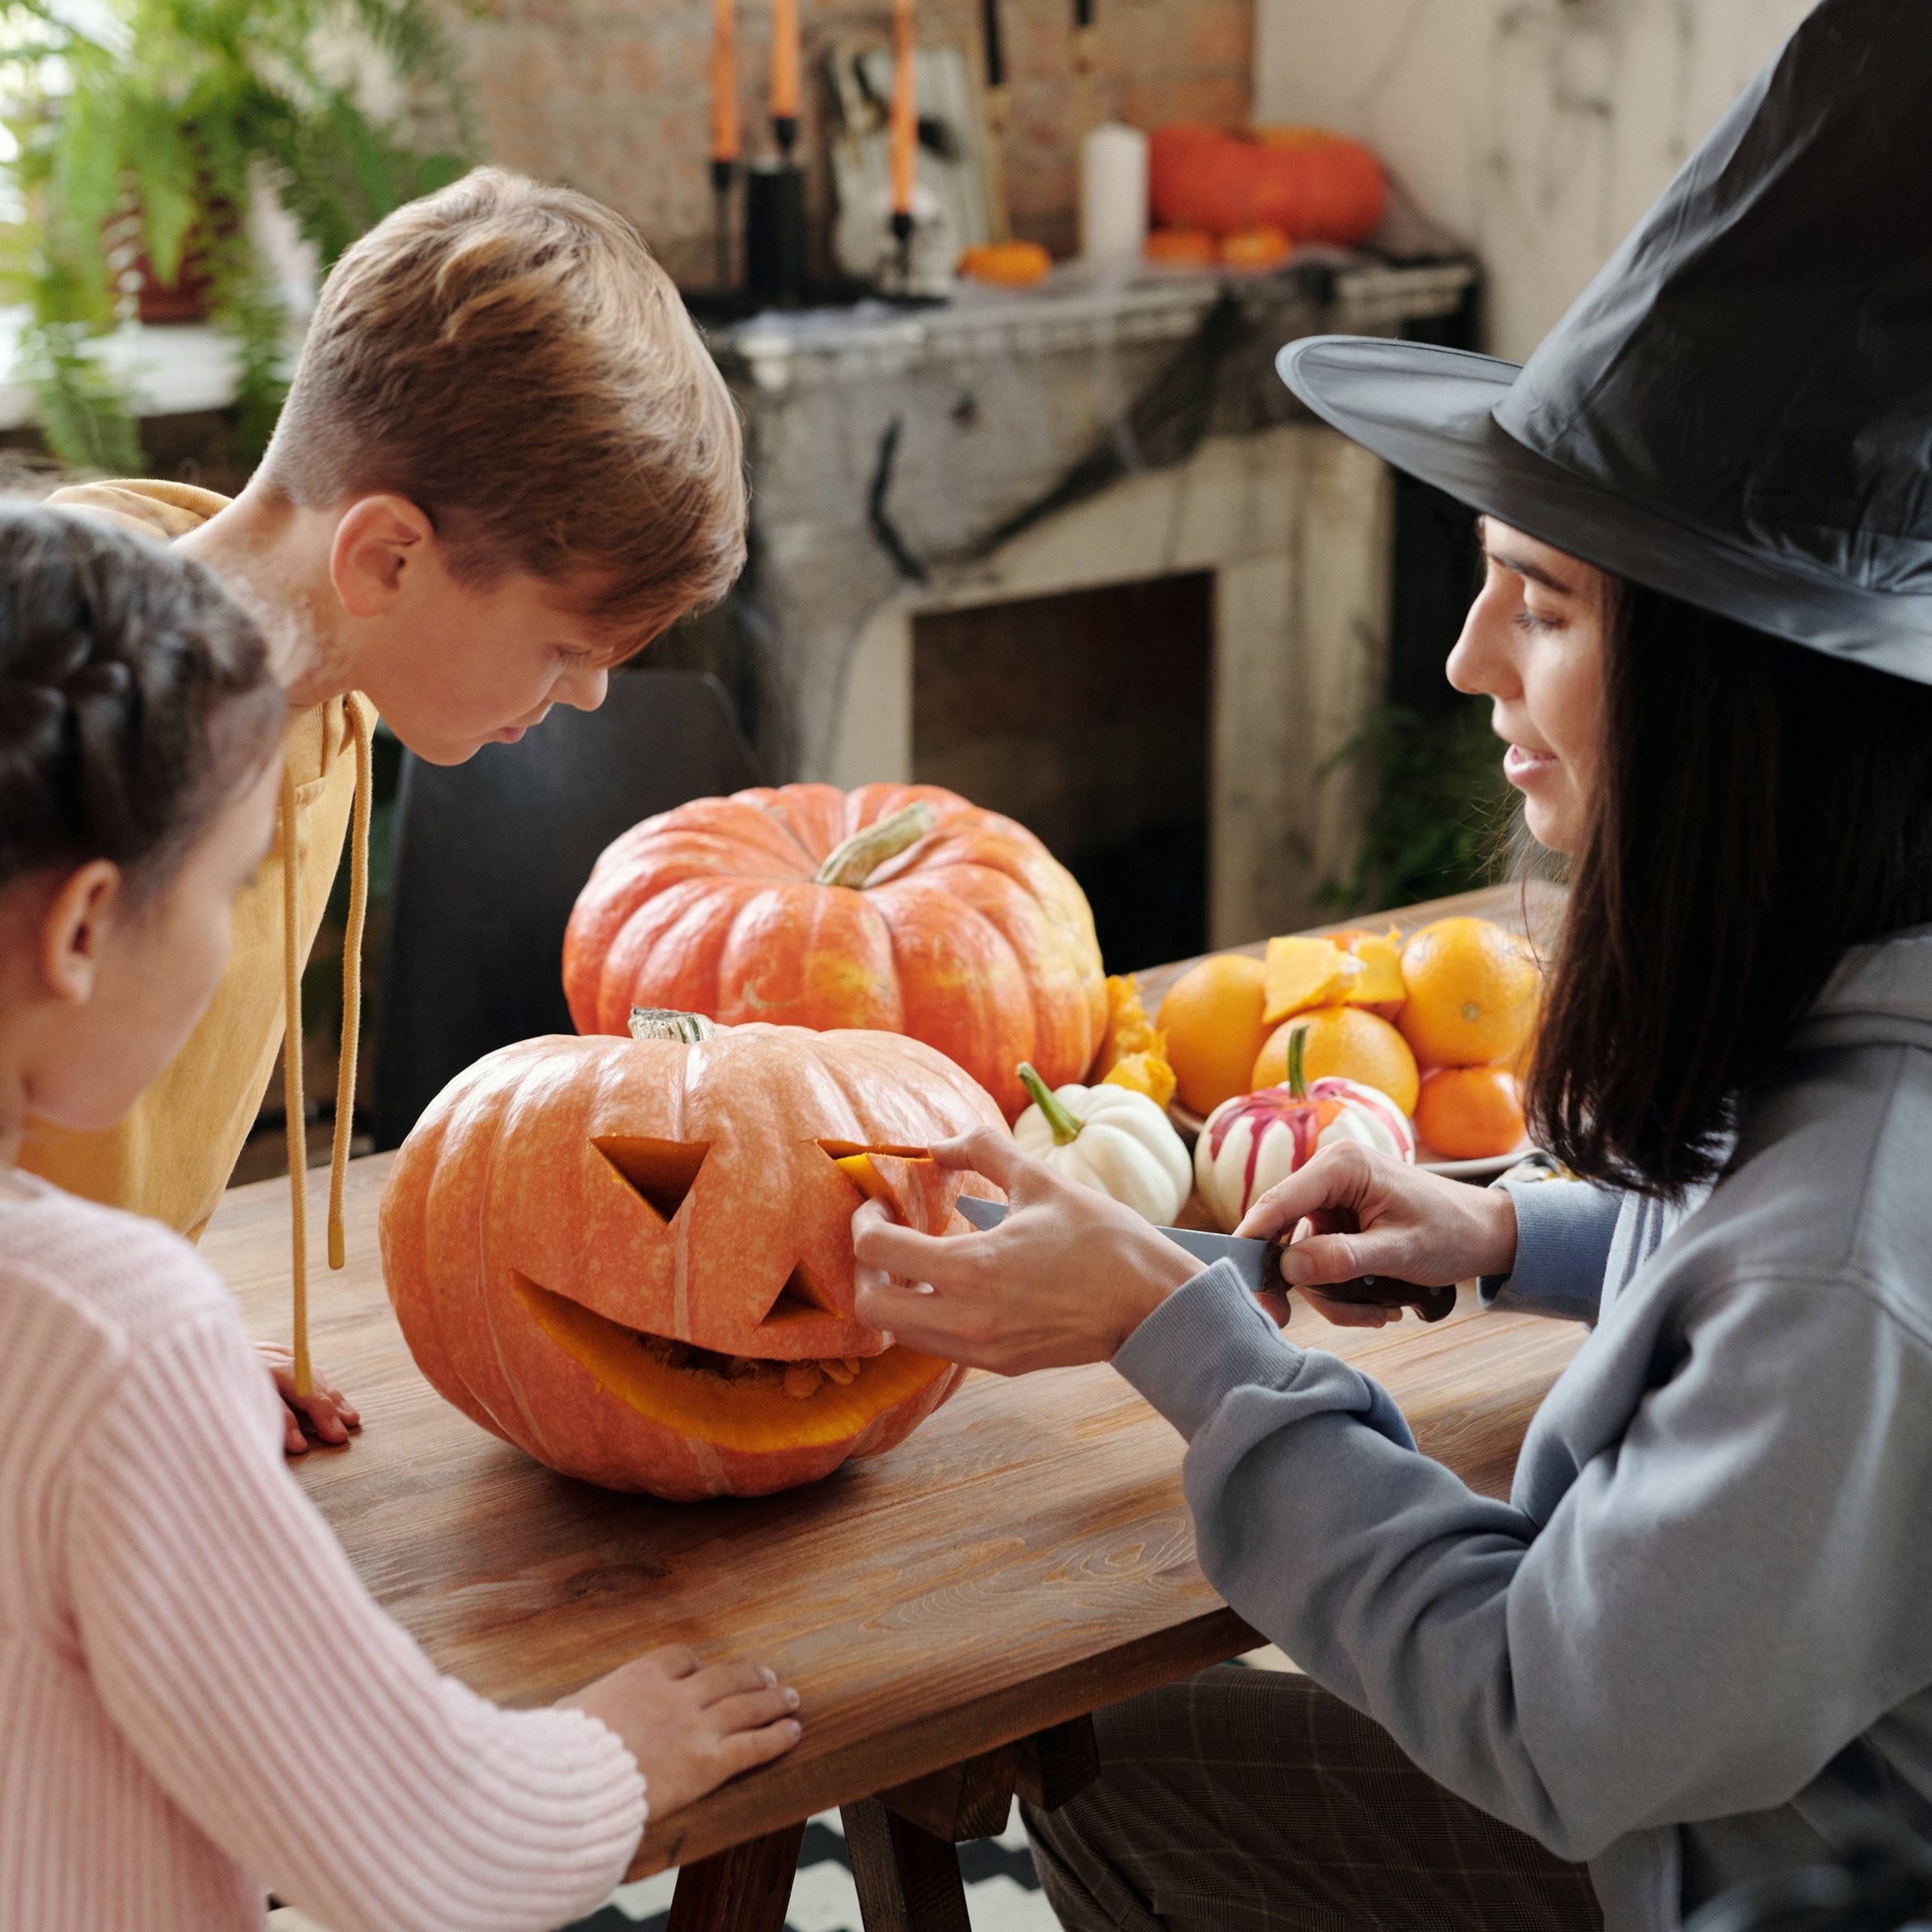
(1533, 644)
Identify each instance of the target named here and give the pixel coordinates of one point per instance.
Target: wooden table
(949, 1612)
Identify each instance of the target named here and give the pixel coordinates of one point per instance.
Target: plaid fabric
(1251, 1800)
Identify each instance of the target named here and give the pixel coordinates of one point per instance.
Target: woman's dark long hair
(1759, 808)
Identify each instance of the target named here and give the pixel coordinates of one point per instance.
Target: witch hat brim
(1737, 410)
(1430, 412)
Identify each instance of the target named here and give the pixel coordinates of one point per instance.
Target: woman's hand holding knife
(1065, 1278)
(1069, 1274)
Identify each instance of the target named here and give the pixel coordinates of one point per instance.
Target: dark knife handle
(1432, 1304)
(1378, 1290)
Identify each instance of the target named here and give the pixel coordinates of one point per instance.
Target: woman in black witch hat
(1702, 1627)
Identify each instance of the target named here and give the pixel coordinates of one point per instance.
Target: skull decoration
(633, 1258)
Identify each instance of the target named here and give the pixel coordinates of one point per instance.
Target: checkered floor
(1002, 1895)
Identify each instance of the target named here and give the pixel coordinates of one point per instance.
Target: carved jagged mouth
(584, 1329)
(800, 1380)
(741, 1400)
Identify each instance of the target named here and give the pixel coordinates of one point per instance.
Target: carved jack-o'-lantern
(633, 1258)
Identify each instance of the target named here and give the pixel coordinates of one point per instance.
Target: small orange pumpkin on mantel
(901, 908)
(632, 1258)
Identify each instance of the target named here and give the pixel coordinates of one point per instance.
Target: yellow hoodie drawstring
(352, 983)
(351, 1029)
(291, 1081)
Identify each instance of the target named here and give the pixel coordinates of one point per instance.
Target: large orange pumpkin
(633, 1258)
(897, 907)
(1313, 186)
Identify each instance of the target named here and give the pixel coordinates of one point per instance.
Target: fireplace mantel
(900, 459)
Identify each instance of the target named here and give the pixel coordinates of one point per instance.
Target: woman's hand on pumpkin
(690, 1726)
(1352, 1211)
(326, 1409)
(1065, 1278)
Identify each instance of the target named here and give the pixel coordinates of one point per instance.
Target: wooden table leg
(908, 1880)
(745, 1889)
(901, 1841)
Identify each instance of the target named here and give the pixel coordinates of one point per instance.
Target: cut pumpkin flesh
(858, 1169)
(1299, 973)
(709, 1397)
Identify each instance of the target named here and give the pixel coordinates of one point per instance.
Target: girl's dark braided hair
(136, 698)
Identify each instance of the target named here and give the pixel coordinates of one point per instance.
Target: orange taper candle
(724, 80)
(785, 59)
(904, 108)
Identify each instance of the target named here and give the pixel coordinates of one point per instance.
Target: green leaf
(81, 411)
(166, 182)
(146, 122)
(1441, 809)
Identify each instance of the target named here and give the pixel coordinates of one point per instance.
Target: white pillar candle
(1113, 192)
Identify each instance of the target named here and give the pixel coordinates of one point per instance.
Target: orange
(1472, 993)
(1347, 1040)
(1465, 1112)
(1010, 264)
(1212, 1018)
(1259, 247)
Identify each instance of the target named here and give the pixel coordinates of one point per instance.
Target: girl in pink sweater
(173, 1743)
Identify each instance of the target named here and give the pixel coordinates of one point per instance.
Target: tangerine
(1471, 993)
(1465, 1113)
(1345, 1040)
(1212, 1018)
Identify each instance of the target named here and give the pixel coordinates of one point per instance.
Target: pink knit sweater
(199, 1701)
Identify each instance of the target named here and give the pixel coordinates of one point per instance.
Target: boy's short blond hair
(512, 359)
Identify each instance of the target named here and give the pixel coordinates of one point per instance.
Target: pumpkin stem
(1297, 1075)
(664, 1022)
(1065, 1128)
(854, 863)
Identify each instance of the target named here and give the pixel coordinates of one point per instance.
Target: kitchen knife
(1255, 1262)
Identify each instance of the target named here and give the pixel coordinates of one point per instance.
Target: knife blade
(1253, 1261)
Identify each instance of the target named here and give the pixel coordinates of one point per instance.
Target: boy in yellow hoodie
(506, 463)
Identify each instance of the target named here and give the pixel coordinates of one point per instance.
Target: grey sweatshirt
(1714, 1573)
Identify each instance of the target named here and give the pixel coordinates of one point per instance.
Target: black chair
(490, 856)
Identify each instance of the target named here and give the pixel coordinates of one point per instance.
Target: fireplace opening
(1085, 716)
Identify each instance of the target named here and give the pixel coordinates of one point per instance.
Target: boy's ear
(71, 933)
(378, 541)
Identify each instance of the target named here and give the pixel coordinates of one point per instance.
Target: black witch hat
(1737, 411)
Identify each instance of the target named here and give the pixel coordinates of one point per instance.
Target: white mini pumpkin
(1109, 1138)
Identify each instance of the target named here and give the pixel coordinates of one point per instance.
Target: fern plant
(140, 129)
(1442, 813)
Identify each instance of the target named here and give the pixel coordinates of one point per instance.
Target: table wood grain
(1024, 1558)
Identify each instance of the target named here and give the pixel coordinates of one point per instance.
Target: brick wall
(611, 95)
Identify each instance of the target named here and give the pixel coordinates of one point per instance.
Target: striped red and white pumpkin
(1254, 1141)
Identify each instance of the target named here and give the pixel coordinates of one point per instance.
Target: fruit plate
(1483, 1168)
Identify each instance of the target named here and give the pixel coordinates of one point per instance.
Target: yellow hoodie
(171, 1156)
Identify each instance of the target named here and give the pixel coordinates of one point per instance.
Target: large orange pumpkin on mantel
(633, 1258)
(897, 907)
(1312, 185)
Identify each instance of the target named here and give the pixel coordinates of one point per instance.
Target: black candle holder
(775, 232)
(723, 174)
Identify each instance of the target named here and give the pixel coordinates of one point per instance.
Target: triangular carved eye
(662, 1171)
(800, 1300)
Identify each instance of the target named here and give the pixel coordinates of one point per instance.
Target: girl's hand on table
(326, 1410)
(1065, 1278)
(690, 1727)
(1351, 1211)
